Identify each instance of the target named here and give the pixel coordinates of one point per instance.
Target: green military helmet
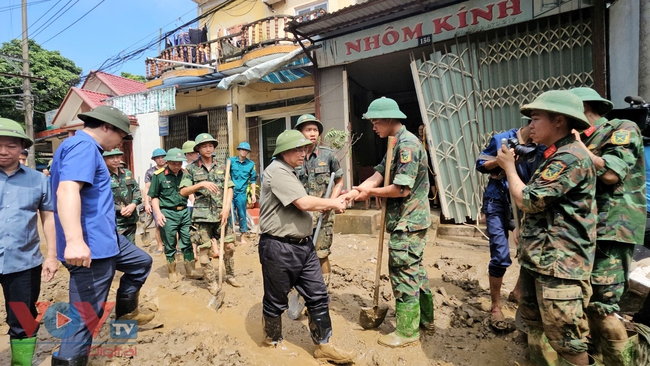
(559, 101)
(204, 137)
(290, 139)
(175, 154)
(306, 118)
(110, 115)
(158, 152)
(188, 147)
(113, 152)
(384, 108)
(590, 95)
(12, 128)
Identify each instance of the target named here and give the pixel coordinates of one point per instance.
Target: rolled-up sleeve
(619, 153)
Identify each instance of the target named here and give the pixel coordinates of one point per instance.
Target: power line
(44, 14)
(73, 23)
(18, 6)
(51, 21)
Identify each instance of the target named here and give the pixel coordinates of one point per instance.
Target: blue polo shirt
(241, 173)
(79, 158)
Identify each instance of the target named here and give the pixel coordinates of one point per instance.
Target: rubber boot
(540, 351)
(272, 330)
(426, 312)
(620, 352)
(563, 362)
(76, 361)
(407, 333)
(173, 275)
(126, 308)
(320, 326)
(229, 263)
(22, 351)
(190, 270)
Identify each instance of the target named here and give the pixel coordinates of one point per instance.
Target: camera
(525, 152)
(638, 112)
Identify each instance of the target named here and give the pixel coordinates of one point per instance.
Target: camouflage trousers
(202, 234)
(407, 274)
(609, 278)
(558, 306)
(324, 240)
(128, 231)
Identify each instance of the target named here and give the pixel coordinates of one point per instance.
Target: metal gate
(217, 127)
(472, 87)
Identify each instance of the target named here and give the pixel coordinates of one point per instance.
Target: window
(303, 10)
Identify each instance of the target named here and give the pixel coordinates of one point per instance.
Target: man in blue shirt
(242, 172)
(497, 210)
(86, 231)
(24, 191)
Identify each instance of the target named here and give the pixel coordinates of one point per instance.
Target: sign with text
(163, 126)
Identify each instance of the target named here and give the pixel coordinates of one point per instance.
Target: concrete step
(453, 241)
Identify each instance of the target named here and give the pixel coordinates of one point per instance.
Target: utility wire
(41, 29)
(18, 6)
(73, 23)
(41, 17)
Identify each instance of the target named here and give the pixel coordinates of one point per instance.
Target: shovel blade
(296, 305)
(217, 301)
(370, 318)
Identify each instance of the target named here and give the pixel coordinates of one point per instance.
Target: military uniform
(242, 173)
(621, 208)
(314, 174)
(125, 191)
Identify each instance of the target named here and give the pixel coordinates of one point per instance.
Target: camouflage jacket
(621, 206)
(125, 191)
(207, 205)
(558, 232)
(314, 174)
(409, 168)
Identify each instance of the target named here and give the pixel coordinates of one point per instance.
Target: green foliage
(128, 75)
(59, 73)
(336, 139)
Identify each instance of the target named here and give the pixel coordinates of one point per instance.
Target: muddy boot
(171, 268)
(407, 332)
(22, 351)
(229, 263)
(540, 351)
(272, 330)
(126, 308)
(426, 312)
(209, 274)
(76, 361)
(320, 326)
(191, 272)
(620, 352)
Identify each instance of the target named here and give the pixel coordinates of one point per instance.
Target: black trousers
(286, 265)
(22, 289)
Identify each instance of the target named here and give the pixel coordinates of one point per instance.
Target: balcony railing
(260, 33)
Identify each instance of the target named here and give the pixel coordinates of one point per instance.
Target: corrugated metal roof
(354, 17)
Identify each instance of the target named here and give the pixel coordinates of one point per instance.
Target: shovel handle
(223, 227)
(382, 226)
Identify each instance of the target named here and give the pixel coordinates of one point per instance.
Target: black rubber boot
(77, 361)
(126, 308)
(320, 325)
(272, 330)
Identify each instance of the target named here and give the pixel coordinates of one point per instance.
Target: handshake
(346, 198)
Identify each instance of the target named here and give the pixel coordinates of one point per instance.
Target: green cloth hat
(306, 118)
(113, 152)
(12, 128)
(110, 115)
(204, 137)
(175, 154)
(559, 101)
(383, 108)
(590, 95)
(188, 147)
(290, 139)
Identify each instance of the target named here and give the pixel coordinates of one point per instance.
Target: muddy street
(190, 333)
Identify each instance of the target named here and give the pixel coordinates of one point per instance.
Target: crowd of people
(575, 204)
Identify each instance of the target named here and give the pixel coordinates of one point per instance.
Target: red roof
(91, 98)
(120, 85)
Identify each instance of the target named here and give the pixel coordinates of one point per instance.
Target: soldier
(158, 156)
(408, 218)
(497, 210)
(190, 156)
(243, 173)
(616, 149)
(24, 154)
(286, 251)
(205, 179)
(26, 192)
(314, 174)
(172, 214)
(557, 238)
(126, 194)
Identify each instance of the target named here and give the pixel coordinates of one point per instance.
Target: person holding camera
(616, 149)
(497, 206)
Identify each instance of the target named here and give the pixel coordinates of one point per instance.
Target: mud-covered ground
(193, 334)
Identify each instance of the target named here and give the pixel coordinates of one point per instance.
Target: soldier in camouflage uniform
(126, 194)
(407, 221)
(557, 239)
(205, 179)
(616, 149)
(314, 174)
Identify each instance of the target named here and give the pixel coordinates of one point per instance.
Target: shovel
(373, 317)
(217, 300)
